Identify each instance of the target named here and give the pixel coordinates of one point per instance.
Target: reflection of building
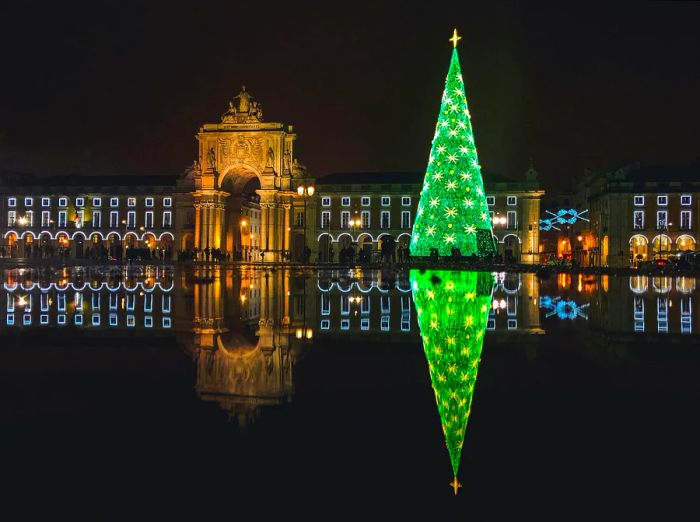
(360, 209)
(514, 307)
(641, 213)
(248, 331)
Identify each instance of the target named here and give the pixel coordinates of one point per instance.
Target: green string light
(452, 212)
(452, 309)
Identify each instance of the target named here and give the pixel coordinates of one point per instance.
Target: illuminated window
(96, 301)
(345, 219)
(167, 219)
(325, 324)
(511, 201)
(299, 218)
(385, 322)
(365, 217)
(11, 218)
(385, 302)
(78, 319)
(661, 219)
(345, 324)
(326, 201)
(148, 321)
(130, 320)
(366, 201)
(168, 202)
(364, 305)
(96, 219)
(490, 200)
(131, 202)
(364, 324)
(406, 219)
(685, 219)
(344, 304)
(11, 202)
(45, 218)
(512, 324)
(167, 322)
(406, 201)
(79, 202)
(61, 319)
(638, 221)
(131, 219)
(345, 201)
(62, 202)
(149, 219)
(44, 319)
(113, 321)
(96, 319)
(114, 219)
(325, 304)
(28, 202)
(96, 202)
(638, 201)
(385, 219)
(386, 201)
(686, 199)
(512, 219)
(62, 218)
(165, 304)
(113, 202)
(45, 202)
(662, 201)
(10, 319)
(148, 302)
(149, 202)
(79, 218)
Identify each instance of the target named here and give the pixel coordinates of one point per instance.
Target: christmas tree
(452, 212)
(452, 309)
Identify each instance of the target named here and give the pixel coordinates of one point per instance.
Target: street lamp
(241, 234)
(305, 191)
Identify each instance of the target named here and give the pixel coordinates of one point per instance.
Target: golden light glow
(311, 190)
(455, 38)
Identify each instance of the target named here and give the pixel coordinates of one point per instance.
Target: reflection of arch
(149, 239)
(662, 285)
(45, 234)
(98, 234)
(131, 234)
(511, 285)
(685, 285)
(639, 284)
(112, 235)
(79, 233)
(27, 233)
(685, 242)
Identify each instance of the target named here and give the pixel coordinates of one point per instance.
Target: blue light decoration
(563, 216)
(563, 308)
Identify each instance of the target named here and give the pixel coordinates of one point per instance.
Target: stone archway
(241, 210)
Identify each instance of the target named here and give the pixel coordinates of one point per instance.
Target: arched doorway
(685, 242)
(63, 244)
(511, 248)
(241, 184)
(661, 246)
(187, 242)
(324, 245)
(366, 246)
(165, 245)
(10, 247)
(79, 244)
(638, 248)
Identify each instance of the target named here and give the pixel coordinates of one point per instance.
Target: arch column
(209, 207)
(274, 222)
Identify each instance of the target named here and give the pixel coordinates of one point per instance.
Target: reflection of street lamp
(305, 191)
(668, 234)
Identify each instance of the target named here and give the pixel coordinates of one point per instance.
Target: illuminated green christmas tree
(452, 212)
(452, 309)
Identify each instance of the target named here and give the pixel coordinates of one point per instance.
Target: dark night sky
(114, 88)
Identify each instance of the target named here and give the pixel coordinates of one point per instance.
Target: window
(63, 202)
(79, 202)
(96, 202)
(406, 201)
(131, 202)
(511, 201)
(165, 304)
(11, 202)
(113, 219)
(385, 220)
(168, 202)
(325, 201)
(45, 202)
(406, 219)
(638, 222)
(62, 217)
(149, 219)
(512, 324)
(385, 302)
(11, 218)
(325, 324)
(167, 219)
(490, 200)
(299, 218)
(364, 216)
(28, 202)
(366, 200)
(96, 219)
(685, 219)
(29, 216)
(131, 219)
(325, 304)
(386, 201)
(345, 201)
(345, 324)
(45, 218)
(79, 218)
(638, 201)
(686, 199)
(662, 201)
(113, 202)
(113, 321)
(149, 202)
(344, 304)
(512, 220)
(364, 305)
(326, 219)
(344, 219)
(661, 219)
(364, 323)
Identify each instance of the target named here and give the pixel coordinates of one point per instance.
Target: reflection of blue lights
(563, 308)
(563, 216)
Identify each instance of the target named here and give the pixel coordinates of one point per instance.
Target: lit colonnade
(245, 340)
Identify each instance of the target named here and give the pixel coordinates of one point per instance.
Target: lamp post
(668, 235)
(305, 191)
(241, 235)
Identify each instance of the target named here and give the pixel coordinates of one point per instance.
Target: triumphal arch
(240, 156)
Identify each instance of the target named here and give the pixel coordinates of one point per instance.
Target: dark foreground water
(167, 395)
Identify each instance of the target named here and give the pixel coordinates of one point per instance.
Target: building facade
(639, 213)
(361, 210)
